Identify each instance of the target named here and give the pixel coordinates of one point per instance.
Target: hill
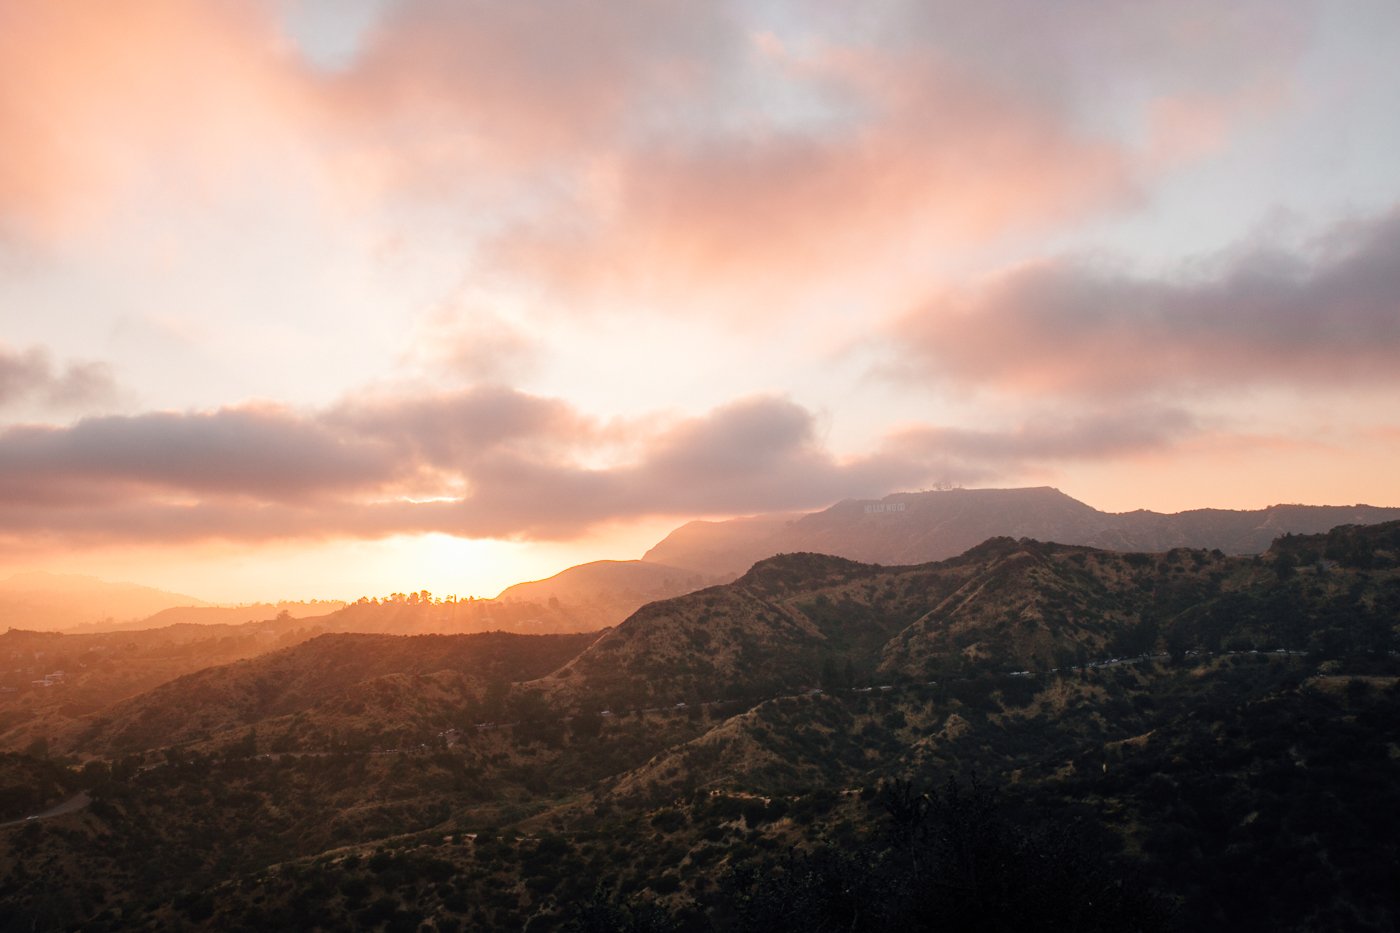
(48, 601)
(1183, 733)
(198, 706)
(722, 548)
(606, 581)
(213, 615)
(56, 676)
(799, 621)
(914, 528)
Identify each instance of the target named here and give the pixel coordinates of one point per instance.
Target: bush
(354, 889)
(755, 813)
(379, 911)
(668, 883)
(669, 820)
(198, 907)
(404, 921)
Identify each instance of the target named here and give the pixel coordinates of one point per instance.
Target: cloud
(926, 156)
(472, 344)
(1325, 316)
(98, 99)
(484, 462)
(30, 377)
(961, 455)
(653, 149)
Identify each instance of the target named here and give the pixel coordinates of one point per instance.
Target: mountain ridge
(51, 601)
(1237, 758)
(913, 528)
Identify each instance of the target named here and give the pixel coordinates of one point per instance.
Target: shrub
(668, 883)
(755, 813)
(669, 820)
(354, 889)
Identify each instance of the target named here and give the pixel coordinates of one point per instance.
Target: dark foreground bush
(949, 862)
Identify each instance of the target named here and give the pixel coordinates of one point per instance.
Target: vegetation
(967, 765)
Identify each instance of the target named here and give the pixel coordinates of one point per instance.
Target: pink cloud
(935, 156)
(617, 146)
(95, 98)
(1330, 316)
(31, 377)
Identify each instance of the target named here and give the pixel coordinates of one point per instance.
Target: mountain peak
(919, 527)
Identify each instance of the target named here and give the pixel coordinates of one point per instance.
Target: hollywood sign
(886, 507)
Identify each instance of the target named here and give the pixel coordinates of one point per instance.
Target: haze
(329, 299)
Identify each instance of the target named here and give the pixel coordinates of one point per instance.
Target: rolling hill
(914, 528)
(198, 706)
(49, 601)
(606, 581)
(213, 615)
(799, 621)
(1211, 733)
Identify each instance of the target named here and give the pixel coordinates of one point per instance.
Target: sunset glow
(322, 299)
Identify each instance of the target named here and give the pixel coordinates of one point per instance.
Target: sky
(331, 298)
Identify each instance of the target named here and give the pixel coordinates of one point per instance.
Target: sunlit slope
(198, 706)
(605, 578)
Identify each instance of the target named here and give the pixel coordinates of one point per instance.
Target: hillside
(799, 621)
(720, 548)
(1228, 780)
(914, 528)
(48, 601)
(197, 706)
(1004, 605)
(605, 579)
(212, 615)
(56, 677)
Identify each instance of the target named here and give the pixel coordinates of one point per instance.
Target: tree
(586, 722)
(494, 703)
(246, 747)
(1179, 640)
(831, 676)
(949, 862)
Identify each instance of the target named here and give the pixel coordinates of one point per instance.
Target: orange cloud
(96, 97)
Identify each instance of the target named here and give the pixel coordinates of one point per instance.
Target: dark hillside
(1001, 607)
(717, 642)
(1180, 737)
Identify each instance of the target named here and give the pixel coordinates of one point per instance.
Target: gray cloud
(483, 462)
(970, 456)
(32, 377)
(1328, 315)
